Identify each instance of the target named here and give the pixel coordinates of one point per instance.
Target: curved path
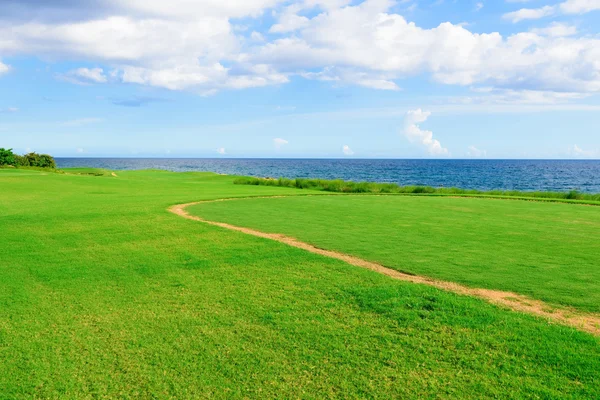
(516, 302)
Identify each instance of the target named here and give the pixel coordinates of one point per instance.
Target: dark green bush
(47, 161)
(40, 160)
(33, 159)
(21, 161)
(7, 157)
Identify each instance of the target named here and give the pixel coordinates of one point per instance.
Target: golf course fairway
(105, 293)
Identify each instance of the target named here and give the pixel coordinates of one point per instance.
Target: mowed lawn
(548, 251)
(104, 293)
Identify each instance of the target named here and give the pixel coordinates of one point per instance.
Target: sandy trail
(516, 302)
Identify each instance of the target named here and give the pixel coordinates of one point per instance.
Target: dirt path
(585, 322)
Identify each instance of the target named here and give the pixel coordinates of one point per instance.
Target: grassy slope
(103, 292)
(547, 251)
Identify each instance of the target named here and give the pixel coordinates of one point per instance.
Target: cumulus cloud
(84, 76)
(475, 152)
(556, 29)
(348, 76)
(365, 43)
(221, 150)
(529, 13)
(579, 6)
(347, 150)
(566, 7)
(279, 143)
(194, 45)
(492, 96)
(415, 134)
(4, 68)
(578, 152)
(181, 46)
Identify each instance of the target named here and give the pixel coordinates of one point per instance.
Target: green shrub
(40, 160)
(7, 157)
(21, 161)
(340, 186)
(47, 161)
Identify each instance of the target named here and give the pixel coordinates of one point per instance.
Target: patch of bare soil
(585, 322)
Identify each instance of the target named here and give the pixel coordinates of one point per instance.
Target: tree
(47, 161)
(33, 159)
(21, 161)
(7, 157)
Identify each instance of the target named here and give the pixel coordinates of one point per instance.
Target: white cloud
(84, 76)
(415, 134)
(347, 76)
(529, 13)
(193, 45)
(80, 150)
(475, 152)
(3, 68)
(289, 20)
(566, 7)
(576, 151)
(556, 29)
(279, 143)
(257, 36)
(221, 150)
(347, 150)
(94, 74)
(492, 96)
(82, 122)
(191, 9)
(579, 6)
(479, 6)
(175, 53)
(9, 110)
(365, 44)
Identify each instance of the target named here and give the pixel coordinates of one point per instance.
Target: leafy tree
(21, 161)
(47, 161)
(7, 157)
(33, 159)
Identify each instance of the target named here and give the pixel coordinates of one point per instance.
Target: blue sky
(306, 78)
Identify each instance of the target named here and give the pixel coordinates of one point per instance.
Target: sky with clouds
(304, 78)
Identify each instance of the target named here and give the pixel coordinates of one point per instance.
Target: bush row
(341, 186)
(7, 157)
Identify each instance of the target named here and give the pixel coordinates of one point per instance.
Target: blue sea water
(545, 175)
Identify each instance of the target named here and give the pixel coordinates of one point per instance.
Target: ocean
(543, 175)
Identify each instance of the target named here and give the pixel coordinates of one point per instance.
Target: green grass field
(104, 293)
(546, 251)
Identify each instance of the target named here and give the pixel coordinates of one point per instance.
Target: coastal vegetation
(340, 186)
(32, 159)
(104, 293)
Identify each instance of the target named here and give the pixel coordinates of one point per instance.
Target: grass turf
(544, 250)
(103, 293)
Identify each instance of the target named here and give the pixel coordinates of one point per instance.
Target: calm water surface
(554, 175)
